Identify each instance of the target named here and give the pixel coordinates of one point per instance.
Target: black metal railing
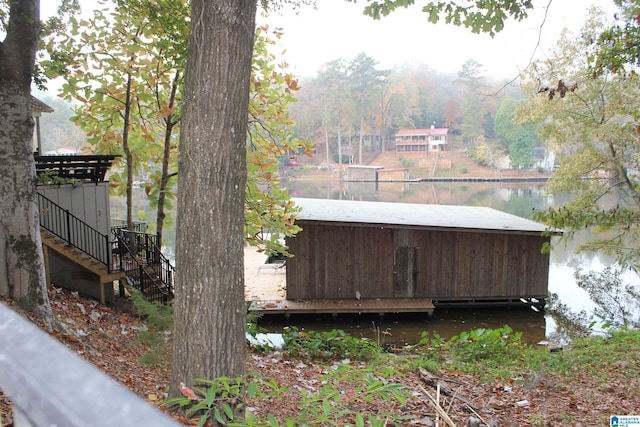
(136, 253)
(119, 223)
(73, 231)
(141, 259)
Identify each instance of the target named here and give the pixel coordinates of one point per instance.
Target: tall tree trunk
(360, 142)
(210, 311)
(22, 275)
(340, 153)
(326, 145)
(170, 122)
(128, 155)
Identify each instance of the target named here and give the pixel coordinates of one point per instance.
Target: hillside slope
(450, 164)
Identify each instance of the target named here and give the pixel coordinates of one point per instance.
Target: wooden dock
(344, 306)
(265, 293)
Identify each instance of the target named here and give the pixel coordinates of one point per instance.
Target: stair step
(152, 277)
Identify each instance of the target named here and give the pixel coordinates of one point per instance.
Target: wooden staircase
(122, 254)
(146, 268)
(51, 242)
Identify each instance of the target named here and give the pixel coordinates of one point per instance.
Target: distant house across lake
(421, 141)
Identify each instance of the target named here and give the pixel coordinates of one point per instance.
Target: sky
(338, 29)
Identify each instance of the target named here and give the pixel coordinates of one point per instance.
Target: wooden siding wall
(334, 261)
(464, 265)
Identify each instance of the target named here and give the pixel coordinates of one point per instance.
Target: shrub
(407, 163)
(326, 345)
(345, 158)
(483, 344)
(159, 320)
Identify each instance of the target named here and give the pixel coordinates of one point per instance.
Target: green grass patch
(500, 354)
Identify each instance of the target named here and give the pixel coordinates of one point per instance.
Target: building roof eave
(467, 218)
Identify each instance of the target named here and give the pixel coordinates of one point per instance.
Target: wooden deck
(344, 306)
(265, 292)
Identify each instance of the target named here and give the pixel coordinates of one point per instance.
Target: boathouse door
(405, 271)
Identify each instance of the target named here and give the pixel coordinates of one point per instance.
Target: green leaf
(228, 411)
(252, 389)
(218, 416)
(210, 395)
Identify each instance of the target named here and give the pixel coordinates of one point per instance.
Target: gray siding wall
(87, 201)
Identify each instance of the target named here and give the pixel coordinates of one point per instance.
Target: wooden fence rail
(49, 385)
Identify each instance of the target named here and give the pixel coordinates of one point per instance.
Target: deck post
(102, 296)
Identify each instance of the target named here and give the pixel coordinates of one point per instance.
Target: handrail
(73, 231)
(136, 244)
(48, 384)
(145, 253)
(140, 226)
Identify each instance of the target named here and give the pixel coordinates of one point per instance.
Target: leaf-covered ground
(587, 398)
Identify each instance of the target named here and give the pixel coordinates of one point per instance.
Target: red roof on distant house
(417, 132)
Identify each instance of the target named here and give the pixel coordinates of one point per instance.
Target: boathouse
(354, 250)
(375, 174)
(363, 173)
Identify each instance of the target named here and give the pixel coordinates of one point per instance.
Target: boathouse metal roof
(472, 218)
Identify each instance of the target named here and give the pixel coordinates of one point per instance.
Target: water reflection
(517, 198)
(403, 329)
